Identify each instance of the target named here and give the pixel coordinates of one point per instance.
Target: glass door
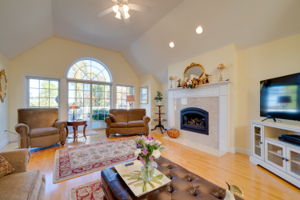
(258, 137)
(293, 164)
(92, 100)
(101, 98)
(275, 154)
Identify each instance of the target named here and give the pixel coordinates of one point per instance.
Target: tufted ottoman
(184, 186)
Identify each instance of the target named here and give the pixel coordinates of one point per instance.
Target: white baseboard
(3, 140)
(243, 150)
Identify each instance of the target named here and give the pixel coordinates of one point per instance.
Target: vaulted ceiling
(144, 38)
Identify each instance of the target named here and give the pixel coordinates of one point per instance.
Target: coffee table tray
(130, 173)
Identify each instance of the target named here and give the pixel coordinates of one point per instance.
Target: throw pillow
(5, 167)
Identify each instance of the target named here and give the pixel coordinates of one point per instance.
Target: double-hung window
(121, 96)
(43, 92)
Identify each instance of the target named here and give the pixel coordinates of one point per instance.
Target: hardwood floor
(255, 182)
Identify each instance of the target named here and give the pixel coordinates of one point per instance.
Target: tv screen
(280, 97)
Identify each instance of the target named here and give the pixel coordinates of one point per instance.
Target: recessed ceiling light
(199, 30)
(171, 44)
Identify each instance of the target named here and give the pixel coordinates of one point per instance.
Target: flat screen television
(280, 97)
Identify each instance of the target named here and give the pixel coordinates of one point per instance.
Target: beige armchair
(21, 184)
(133, 121)
(40, 127)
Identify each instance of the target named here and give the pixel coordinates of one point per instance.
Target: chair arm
(22, 129)
(146, 119)
(108, 121)
(60, 124)
(112, 117)
(17, 158)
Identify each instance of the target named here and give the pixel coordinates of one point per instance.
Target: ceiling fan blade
(137, 7)
(105, 12)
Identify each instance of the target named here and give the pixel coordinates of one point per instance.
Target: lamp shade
(74, 106)
(130, 98)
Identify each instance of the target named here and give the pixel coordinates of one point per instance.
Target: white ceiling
(144, 39)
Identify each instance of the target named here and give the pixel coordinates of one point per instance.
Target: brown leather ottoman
(184, 186)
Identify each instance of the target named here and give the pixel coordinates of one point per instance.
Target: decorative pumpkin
(173, 133)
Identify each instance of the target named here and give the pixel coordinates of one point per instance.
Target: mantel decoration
(221, 67)
(3, 85)
(147, 151)
(194, 76)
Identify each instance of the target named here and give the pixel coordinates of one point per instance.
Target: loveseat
(21, 184)
(132, 121)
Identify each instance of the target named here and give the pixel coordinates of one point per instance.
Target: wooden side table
(75, 125)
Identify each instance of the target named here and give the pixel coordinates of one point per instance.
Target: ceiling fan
(121, 9)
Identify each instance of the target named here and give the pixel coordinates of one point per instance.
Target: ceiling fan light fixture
(126, 15)
(116, 8)
(125, 8)
(118, 15)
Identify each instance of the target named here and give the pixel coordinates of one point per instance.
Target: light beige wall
(153, 86)
(52, 58)
(3, 108)
(246, 68)
(277, 58)
(210, 60)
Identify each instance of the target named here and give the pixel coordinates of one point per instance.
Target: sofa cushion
(5, 167)
(136, 123)
(40, 132)
(119, 125)
(136, 114)
(25, 185)
(119, 114)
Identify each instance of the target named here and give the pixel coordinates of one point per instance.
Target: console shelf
(268, 151)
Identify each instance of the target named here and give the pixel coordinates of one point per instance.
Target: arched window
(89, 92)
(89, 70)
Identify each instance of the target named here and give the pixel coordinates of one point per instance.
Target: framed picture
(144, 95)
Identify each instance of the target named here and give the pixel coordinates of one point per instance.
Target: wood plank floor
(256, 182)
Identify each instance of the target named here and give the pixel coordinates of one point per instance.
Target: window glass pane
(121, 96)
(44, 83)
(89, 69)
(34, 83)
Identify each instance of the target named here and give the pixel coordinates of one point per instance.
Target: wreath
(3, 85)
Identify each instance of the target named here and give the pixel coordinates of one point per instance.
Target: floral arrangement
(148, 150)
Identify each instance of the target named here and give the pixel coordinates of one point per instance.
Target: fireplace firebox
(195, 120)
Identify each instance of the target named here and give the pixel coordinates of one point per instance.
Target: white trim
(220, 90)
(93, 59)
(41, 78)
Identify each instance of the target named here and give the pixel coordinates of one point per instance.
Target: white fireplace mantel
(220, 90)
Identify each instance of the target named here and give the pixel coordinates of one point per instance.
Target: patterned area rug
(76, 161)
(89, 191)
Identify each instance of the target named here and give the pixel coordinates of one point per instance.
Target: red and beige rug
(89, 191)
(80, 160)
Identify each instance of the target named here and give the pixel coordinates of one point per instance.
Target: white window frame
(40, 78)
(121, 85)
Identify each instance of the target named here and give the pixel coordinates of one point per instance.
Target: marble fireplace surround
(213, 98)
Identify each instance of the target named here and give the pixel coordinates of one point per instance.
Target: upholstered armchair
(40, 127)
(21, 184)
(133, 121)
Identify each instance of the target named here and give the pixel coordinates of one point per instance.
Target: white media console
(281, 158)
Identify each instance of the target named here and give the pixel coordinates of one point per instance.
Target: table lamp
(74, 106)
(130, 100)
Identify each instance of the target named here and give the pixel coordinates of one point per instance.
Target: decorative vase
(229, 195)
(147, 172)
